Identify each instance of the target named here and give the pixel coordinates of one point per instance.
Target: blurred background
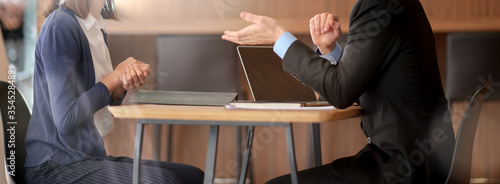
(181, 41)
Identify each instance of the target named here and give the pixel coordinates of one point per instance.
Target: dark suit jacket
(389, 63)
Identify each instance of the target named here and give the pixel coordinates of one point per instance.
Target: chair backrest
(15, 119)
(462, 157)
(473, 59)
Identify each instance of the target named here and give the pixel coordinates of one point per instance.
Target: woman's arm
(60, 55)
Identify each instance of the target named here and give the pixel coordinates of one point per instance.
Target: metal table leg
(138, 152)
(244, 167)
(316, 139)
(156, 142)
(211, 154)
(170, 142)
(291, 153)
(239, 151)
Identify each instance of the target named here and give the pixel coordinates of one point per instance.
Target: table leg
(170, 142)
(244, 167)
(291, 153)
(211, 154)
(137, 152)
(316, 138)
(239, 151)
(156, 142)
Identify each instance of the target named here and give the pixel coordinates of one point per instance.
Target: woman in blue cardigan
(74, 82)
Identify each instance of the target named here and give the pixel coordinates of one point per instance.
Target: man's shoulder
(373, 5)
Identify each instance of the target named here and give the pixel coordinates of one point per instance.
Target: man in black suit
(389, 64)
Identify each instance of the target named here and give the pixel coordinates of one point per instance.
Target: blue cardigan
(66, 96)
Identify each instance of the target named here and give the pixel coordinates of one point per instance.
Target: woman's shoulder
(61, 19)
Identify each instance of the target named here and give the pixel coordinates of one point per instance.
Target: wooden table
(216, 116)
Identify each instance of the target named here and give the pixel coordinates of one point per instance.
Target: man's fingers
(328, 25)
(239, 37)
(311, 26)
(232, 36)
(336, 25)
(231, 33)
(317, 24)
(249, 17)
(324, 18)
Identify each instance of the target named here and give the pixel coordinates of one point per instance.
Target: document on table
(277, 106)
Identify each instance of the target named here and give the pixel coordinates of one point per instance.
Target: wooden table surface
(216, 113)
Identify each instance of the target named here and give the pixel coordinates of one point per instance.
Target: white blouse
(94, 29)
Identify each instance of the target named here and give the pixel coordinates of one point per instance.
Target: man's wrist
(283, 43)
(278, 32)
(325, 50)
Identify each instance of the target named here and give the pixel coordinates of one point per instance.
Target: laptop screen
(267, 79)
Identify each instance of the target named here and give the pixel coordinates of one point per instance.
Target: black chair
(15, 126)
(472, 61)
(461, 166)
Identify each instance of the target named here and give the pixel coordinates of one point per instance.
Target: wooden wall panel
(215, 16)
(462, 9)
(440, 40)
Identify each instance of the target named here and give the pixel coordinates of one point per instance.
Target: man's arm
(363, 58)
(324, 28)
(285, 41)
(340, 84)
(333, 56)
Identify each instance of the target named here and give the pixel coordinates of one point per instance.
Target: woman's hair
(81, 8)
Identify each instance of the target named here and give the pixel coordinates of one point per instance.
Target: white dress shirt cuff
(283, 43)
(333, 56)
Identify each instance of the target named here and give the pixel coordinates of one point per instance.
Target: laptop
(267, 79)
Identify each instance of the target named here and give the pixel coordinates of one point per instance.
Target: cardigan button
(369, 140)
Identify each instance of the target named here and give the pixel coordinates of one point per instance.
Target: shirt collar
(90, 21)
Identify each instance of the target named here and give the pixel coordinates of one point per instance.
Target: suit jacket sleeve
(365, 55)
(61, 56)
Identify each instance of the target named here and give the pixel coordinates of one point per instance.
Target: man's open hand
(264, 30)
